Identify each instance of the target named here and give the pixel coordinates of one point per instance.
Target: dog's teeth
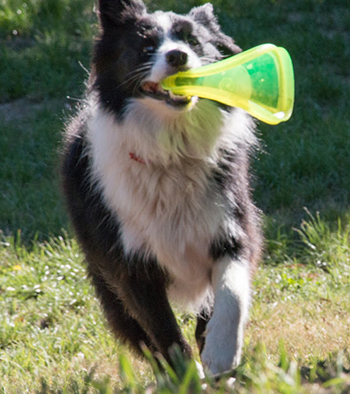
(161, 90)
(156, 89)
(174, 96)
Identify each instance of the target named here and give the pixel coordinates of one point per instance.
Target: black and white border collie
(157, 186)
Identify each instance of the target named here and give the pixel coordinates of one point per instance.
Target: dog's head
(137, 50)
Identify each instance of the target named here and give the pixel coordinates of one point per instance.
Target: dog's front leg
(224, 333)
(144, 295)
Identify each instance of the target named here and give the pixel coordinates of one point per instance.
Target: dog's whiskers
(208, 59)
(137, 74)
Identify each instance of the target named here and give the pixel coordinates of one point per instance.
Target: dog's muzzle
(155, 91)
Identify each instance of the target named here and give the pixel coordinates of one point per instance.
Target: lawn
(53, 337)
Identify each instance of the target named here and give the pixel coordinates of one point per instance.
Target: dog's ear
(226, 45)
(115, 12)
(205, 16)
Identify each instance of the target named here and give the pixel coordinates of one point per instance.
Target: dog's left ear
(205, 16)
(116, 12)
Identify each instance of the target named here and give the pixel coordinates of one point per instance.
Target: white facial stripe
(161, 68)
(163, 21)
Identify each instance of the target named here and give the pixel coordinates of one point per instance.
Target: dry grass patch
(308, 329)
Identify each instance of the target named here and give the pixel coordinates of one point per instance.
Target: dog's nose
(176, 58)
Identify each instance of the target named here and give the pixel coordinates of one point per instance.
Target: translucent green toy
(260, 80)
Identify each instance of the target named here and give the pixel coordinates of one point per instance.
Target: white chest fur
(167, 205)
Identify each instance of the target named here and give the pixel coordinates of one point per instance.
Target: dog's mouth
(155, 91)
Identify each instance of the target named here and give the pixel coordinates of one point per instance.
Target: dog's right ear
(115, 12)
(204, 15)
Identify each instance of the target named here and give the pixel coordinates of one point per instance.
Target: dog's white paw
(223, 348)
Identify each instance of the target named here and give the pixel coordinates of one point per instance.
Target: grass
(53, 337)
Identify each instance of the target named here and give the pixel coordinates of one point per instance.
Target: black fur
(133, 287)
(121, 46)
(132, 295)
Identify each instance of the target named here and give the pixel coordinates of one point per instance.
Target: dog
(157, 186)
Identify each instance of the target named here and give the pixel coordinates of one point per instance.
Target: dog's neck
(165, 136)
(162, 135)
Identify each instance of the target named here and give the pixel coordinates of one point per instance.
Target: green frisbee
(260, 81)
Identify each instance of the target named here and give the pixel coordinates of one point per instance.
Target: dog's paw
(222, 349)
(220, 361)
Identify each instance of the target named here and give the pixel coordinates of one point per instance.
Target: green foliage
(43, 42)
(31, 17)
(29, 167)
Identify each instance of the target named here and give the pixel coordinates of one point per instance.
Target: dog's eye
(148, 49)
(192, 40)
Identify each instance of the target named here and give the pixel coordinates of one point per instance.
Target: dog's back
(158, 186)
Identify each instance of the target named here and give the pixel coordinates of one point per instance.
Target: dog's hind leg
(144, 294)
(124, 327)
(224, 332)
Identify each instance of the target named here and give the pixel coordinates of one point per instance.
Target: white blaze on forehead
(164, 21)
(161, 68)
